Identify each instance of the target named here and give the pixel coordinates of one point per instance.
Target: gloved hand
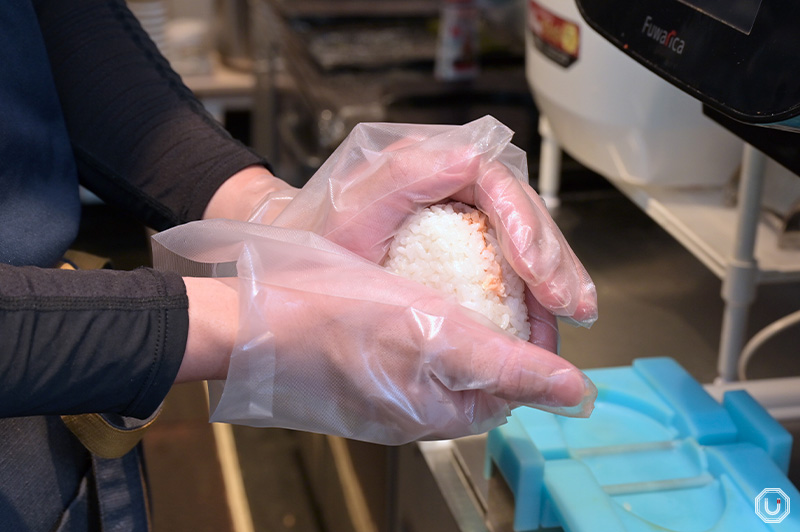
(330, 342)
(384, 173)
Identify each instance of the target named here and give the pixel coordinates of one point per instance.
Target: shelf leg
(549, 165)
(739, 285)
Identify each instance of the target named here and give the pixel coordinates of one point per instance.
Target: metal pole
(739, 285)
(549, 165)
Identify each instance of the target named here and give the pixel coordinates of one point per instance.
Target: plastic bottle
(458, 47)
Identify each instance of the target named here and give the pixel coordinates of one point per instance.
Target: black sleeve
(89, 341)
(141, 139)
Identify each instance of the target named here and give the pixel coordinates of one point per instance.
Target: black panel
(739, 14)
(753, 77)
(782, 146)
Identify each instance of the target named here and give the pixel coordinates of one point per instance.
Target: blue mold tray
(657, 454)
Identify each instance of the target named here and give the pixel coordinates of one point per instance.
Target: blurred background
(641, 182)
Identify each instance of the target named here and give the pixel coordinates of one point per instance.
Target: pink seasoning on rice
(451, 248)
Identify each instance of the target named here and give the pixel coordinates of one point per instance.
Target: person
(85, 97)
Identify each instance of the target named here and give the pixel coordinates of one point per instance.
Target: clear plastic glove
(273, 204)
(330, 342)
(383, 173)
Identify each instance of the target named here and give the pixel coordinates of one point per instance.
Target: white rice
(451, 248)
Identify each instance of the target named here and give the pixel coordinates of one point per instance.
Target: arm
(106, 341)
(213, 323)
(213, 303)
(140, 138)
(73, 342)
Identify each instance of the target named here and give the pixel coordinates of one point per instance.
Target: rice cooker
(740, 57)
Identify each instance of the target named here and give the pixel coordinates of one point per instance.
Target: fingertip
(570, 393)
(575, 393)
(570, 296)
(533, 376)
(586, 310)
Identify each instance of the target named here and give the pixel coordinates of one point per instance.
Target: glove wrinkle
(331, 342)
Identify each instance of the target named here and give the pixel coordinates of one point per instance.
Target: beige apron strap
(81, 260)
(101, 437)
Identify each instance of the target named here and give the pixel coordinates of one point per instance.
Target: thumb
(483, 358)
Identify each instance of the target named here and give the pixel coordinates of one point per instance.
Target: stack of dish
(152, 15)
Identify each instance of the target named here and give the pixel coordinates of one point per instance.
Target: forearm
(214, 303)
(141, 140)
(213, 324)
(73, 342)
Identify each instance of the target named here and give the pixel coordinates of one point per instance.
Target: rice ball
(450, 247)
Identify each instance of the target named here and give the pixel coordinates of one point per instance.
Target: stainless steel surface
(232, 33)
(323, 68)
(456, 485)
(303, 111)
(358, 8)
(477, 503)
(370, 46)
(421, 504)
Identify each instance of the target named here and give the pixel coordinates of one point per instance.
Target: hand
(369, 187)
(329, 342)
(253, 188)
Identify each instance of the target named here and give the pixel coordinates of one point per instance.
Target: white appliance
(613, 115)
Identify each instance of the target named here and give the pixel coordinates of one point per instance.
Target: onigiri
(452, 248)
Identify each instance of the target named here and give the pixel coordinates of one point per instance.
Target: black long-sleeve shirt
(143, 143)
(84, 94)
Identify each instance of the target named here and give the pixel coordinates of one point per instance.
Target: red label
(556, 37)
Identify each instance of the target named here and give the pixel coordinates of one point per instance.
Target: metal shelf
(735, 243)
(704, 225)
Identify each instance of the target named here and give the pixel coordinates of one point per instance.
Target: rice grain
(452, 248)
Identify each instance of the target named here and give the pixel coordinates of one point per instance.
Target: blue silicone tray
(658, 453)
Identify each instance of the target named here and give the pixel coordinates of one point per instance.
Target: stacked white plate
(189, 47)
(152, 15)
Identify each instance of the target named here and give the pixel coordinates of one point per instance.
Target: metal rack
(742, 90)
(733, 242)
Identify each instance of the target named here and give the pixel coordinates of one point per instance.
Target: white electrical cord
(761, 337)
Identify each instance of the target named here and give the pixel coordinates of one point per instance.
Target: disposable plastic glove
(383, 173)
(330, 342)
